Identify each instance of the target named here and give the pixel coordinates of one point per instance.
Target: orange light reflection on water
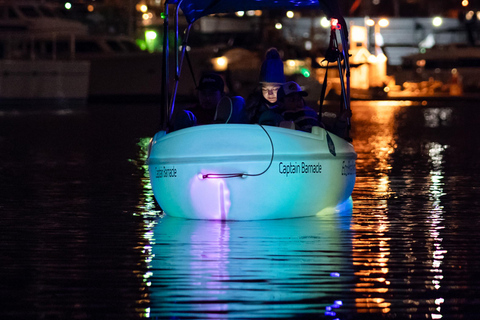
(371, 246)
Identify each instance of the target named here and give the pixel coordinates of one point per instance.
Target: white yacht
(29, 68)
(45, 55)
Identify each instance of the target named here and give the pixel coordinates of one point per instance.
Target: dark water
(82, 238)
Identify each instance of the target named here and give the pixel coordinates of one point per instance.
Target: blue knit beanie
(272, 67)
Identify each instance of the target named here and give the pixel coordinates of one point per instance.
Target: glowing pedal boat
(247, 171)
(243, 172)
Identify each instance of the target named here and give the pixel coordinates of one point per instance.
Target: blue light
(335, 274)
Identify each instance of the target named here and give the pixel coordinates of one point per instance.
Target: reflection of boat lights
(371, 244)
(434, 117)
(148, 210)
(435, 151)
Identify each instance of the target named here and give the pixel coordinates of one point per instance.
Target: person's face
(293, 101)
(209, 98)
(269, 91)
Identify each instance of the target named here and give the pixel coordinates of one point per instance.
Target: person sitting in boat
(261, 107)
(298, 115)
(291, 101)
(213, 106)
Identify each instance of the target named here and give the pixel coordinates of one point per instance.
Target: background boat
(29, 67)
(103, 66)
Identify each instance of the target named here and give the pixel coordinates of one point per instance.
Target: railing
(32, 47)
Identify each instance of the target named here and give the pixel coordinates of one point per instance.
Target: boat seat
(231, 110)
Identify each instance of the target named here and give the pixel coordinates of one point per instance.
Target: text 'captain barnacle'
(294, 168)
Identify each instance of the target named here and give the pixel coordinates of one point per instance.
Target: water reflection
(393, 254)
(225, 269)
(436, 220)
(252, 268)
(436, 117)
(371, 243)
(150, 211)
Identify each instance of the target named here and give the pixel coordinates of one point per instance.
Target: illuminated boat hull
(249, 172)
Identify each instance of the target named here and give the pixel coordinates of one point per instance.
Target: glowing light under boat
(211, 197)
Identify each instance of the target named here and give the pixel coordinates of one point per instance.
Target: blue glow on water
(240, 268)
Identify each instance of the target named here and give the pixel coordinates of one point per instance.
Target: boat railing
(38, 47)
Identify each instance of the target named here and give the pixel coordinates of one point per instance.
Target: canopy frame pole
(344, 72)
(346, 55)
(178, 62)
(165, 99)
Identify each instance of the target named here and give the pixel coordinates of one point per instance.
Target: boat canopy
(195, 9)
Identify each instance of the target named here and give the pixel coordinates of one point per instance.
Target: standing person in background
(261, 107)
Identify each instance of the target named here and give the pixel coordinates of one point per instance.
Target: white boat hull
(239, 172)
